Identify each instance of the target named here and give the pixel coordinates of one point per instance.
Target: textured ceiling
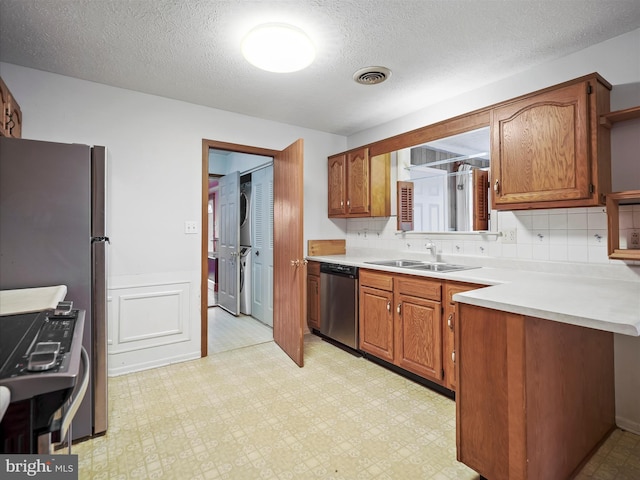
(190, 49)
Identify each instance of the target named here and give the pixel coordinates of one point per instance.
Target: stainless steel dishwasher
(339, 303)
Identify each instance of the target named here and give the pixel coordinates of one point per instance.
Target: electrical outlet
(190, 227)
(509, 235)
(634, 239)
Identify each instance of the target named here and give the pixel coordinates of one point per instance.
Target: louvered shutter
(405, 206)
(480, 199)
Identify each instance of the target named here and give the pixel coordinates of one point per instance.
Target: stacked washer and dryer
(245, 248)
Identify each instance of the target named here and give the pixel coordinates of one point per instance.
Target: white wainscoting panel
(151, 316)
(151, 324)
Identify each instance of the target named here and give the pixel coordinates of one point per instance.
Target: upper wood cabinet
(359, 186)
(548, 149)
(615, 199)
(613, 219)
(338, 185)
(11, 115)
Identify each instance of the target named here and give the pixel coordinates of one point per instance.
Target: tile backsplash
(574, 235)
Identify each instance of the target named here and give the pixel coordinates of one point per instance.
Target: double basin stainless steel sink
(419, 265)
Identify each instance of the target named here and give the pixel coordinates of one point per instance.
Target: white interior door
(229, 249)
(262, 245)
(430, 200)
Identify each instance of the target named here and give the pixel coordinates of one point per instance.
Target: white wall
(154, 185)
(562, 238)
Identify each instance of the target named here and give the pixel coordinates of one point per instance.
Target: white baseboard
(141, 366)
(628, 425)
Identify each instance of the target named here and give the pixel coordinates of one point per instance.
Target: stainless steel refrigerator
(53, 232)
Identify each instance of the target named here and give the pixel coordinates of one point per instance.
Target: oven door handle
(65, 424)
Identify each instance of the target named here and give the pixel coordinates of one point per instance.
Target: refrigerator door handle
(100, 239)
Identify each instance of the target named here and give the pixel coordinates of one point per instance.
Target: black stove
(40, 363)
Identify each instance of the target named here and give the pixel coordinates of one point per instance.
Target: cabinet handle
(496, 187)
(348, 203)
(453, 356)
(450, 321)
(388, 306)
(399, 309)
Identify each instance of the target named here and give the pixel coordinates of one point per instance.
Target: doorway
(289, 271)
(240, 231)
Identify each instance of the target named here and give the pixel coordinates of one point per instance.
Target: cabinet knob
(399, 309)
(450, 321)
(453, 356)
(388, 306)
(496, 187)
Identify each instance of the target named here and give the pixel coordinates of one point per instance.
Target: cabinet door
(418, 337)
(376, 322)
(4, 113)
(540, 148)
(10, 115)
(449, 346)
(338, 186)
(449, 325)
(313, 301)
(358, 183)
(14, 120)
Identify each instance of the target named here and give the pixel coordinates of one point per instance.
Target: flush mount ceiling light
(278, 47)
(371, 75)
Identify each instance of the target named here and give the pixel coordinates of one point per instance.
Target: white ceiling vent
(371, 75)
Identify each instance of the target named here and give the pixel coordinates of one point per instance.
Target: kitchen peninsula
(534, 362)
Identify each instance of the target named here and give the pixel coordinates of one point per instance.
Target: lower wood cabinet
(401, 321)
(534, 397)
(376, 314)
(418, 326)
(448, 329)
(313, 295)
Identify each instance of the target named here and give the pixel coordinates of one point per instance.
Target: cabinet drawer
(379, 280)
(313, 268)
(450, 289)
(419, 287)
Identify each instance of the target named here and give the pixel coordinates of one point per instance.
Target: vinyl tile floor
(251, 413)
(228, 332)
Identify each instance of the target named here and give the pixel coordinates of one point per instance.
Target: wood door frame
(204, 254)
